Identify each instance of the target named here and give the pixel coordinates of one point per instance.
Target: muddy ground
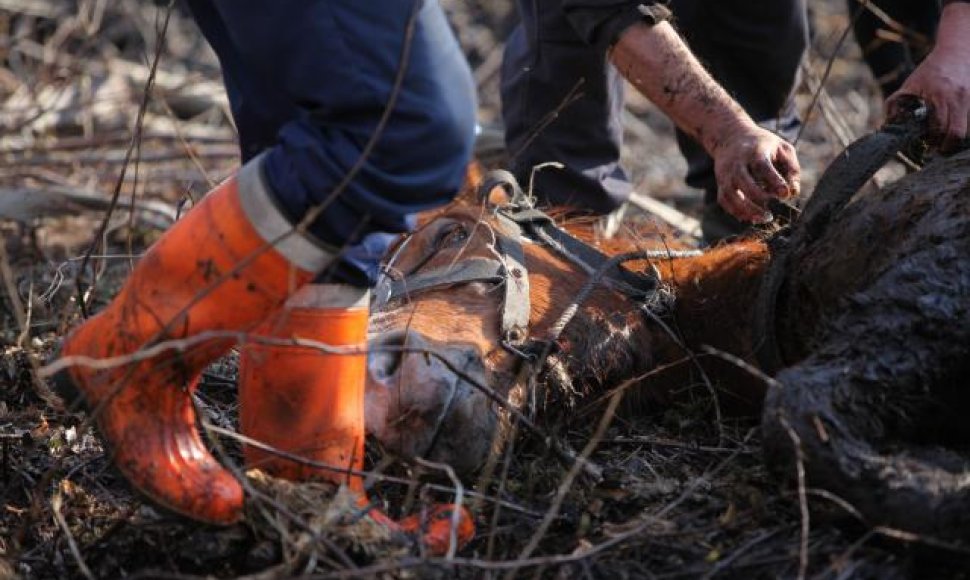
(675, 503)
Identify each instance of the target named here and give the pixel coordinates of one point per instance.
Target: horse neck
(715, 295)
(715, 292)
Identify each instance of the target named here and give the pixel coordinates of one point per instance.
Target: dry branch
(676, 219)
(26, 204)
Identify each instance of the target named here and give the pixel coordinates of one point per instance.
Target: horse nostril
(386, 354)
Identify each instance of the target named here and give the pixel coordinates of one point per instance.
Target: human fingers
(747, 180)
(957, 121)
(786, 162)
(736, 203)
(939, 119)
(894, 103)
(958, 132)
(772, 183)
(949, 111)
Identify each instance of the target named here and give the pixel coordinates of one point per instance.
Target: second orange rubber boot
(308, 401)
(212, 273)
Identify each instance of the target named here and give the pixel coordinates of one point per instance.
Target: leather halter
(516, 220)
(842, 179)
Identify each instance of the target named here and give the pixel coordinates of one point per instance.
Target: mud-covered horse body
(872, 320)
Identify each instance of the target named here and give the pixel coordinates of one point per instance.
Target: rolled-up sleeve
(601, 22)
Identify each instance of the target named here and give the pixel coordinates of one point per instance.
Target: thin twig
(806, 117)
(459, 501)
(687, 446)
(802, 496)
(56, 503)
(706, 380)
(727, 562)
(502, 482)
(10, 288)
(567, 482)
(486, 565)
(697, 481)
(741, 364)
(135, 140)
(25, 331)
(572, 96)
(370, 475)
(189, 149)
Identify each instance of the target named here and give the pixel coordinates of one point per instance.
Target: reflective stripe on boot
(212, 271)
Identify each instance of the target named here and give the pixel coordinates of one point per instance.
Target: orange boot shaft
(212, 271)
(308, 402)
(305, 401)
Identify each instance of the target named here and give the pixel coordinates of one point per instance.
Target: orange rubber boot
(212, 271)
(307, 402)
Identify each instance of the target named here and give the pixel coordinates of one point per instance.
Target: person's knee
(454, 130)
(448, 142)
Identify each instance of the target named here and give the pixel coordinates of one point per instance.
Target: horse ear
(477, 179)
(499, 188)
(497, 196)
(474, 176)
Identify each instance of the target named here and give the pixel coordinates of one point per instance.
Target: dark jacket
(600, 22)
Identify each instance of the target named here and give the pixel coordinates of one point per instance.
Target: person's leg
(331, 69)
(753, 48)
(562, 102)
(323, 86)
(892, 60)
(213, 273)
(338, 75)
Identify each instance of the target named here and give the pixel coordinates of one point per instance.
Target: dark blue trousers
(752, 47)
(308, 82)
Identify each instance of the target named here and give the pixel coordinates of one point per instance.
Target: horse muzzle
(427, 399)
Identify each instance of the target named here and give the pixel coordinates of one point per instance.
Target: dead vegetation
(113, 119)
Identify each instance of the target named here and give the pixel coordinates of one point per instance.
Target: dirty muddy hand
(942, 80)
(946, 93)
(753, 166)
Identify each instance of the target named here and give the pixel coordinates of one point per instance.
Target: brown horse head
(433, 346)
(444, 369)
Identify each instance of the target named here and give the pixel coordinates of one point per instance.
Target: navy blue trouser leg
(752, 47)
(308, 83)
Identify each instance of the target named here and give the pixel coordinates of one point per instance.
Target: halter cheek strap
(516, 220)
(508, 271)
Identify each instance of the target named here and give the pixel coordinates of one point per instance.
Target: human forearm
(750, 163)
(954, 27)
(656, 61)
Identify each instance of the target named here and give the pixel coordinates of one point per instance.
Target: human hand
(942, 80)
(753, 165)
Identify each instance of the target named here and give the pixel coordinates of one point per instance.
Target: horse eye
(452, 236)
